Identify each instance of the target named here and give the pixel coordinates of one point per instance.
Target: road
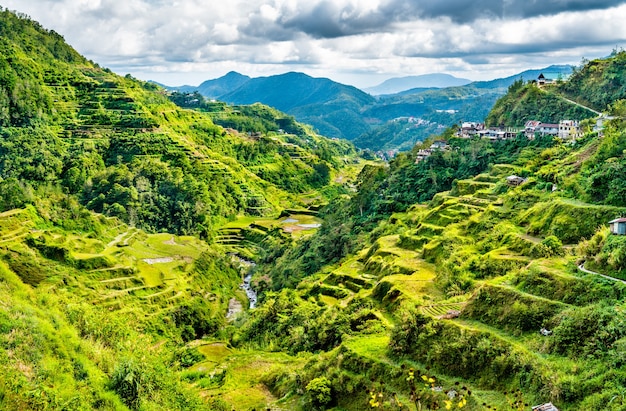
(584, 270)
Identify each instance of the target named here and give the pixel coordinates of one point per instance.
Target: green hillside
(526, 102)
(441, 271)
(130, 217)
(114, 259)
(123, 149)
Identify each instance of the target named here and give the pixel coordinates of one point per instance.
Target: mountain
(341, 111)
(290, 90)
(221, 86)
(332, 108)
(400, 84)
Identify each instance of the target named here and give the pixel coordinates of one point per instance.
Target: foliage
(590, 330)
(128, 382)
(320, 391)
(598, 82)
(604, 171)
(529, 102)
(548, 247)
(303, 325)
(195, 320)
(509, 310)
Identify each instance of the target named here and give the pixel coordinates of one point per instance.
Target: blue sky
(358, 42)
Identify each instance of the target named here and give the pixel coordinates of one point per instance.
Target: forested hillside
(482, 276)
(112, 196)
(123, 149)
(444, 275)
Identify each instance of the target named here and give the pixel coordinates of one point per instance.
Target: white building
(569, 129)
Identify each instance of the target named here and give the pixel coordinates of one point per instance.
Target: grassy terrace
(505, 307)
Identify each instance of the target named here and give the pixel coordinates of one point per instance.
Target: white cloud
(366, 39)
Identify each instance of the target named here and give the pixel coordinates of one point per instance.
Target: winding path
(584, 270)
(580, 105)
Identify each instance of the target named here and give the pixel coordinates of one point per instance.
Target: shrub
(320, 391)
(127, 382)
(550, 246)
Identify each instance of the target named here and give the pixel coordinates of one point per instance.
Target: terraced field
(146, 272)
(476, 227)
(246, 235)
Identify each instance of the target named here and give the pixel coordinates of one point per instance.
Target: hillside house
(600, 122)
(514, 180)
(500, 133)
(530, 128)
(618, 226)
(496, 134)
(545, 407)
(422, 155)
(469, 129)
(569, 129)
(439, 145)
(548, 129)
(542, 80)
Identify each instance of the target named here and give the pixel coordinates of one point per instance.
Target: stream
(252, 296)
(247, 267)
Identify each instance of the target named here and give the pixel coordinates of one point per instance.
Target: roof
(545, 407)
(618, 220)
(515, 180)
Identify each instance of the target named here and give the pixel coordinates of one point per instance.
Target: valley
(159, 250)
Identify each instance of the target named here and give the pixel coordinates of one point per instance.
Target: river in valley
(247, 268)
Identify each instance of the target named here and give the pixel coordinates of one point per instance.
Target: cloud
(337, 18)
(331, 37)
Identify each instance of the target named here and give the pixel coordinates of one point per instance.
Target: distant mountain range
(399, 84)
(342, 111)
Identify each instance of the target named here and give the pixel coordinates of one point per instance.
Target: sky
(356, 42)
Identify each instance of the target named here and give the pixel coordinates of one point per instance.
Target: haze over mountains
(369, 119)
(398, 84)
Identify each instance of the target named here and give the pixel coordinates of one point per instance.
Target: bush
(320, 391)
(550, 246)
(127, 383)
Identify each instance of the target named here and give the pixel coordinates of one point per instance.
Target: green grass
(245, 370)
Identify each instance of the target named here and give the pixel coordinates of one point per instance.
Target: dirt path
(116, 239)
(580, 105)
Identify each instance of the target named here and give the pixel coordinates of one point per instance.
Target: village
(566, 130)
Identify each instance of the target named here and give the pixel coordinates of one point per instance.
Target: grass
(215, 352)
(244, 372)
(374, 346)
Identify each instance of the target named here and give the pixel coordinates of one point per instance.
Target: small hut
(545, 407)
(618, 226)
(514, 180)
